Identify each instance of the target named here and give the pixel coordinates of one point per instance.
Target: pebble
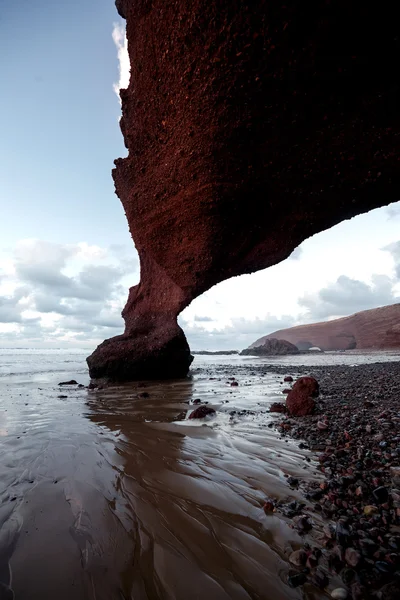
(352, 557)
(320, 579)
(339, 594)
(201, 412)
(298, 558)
(302, 523)
(293, 481)
(381, 494)
(296, 580)
(370, 509)
(358, 446)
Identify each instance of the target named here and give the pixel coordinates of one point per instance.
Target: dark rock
(320, 579)
(297, 580)
(144, 395)
(288, 378)
(62, 397)
(293, 481)
(383, 566)
(201, 412)
(6, 592)
(348, 575)
(271, 347)
(197, 401)
(359, 592)
(303, 524)
(342, 533)
(277, 407)
(71, 382)
(234, 384)
(381, 494)
(391, 591)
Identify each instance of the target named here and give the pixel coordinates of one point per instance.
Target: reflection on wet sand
(114, 494)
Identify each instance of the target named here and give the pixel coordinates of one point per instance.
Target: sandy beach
(115, 493)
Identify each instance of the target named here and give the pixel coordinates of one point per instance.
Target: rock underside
(250, 127)
(378, 328)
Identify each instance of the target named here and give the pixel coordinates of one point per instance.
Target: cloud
(239, 334)
(296, 254)
(393, 210)
(124, 68)
(346, 296)
(65, 292)
(202, 319)
(394, 250)
(11, 307)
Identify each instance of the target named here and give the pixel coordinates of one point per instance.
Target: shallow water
(106, 494)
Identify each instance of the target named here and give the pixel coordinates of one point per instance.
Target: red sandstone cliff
(251, 125)
(378, 328)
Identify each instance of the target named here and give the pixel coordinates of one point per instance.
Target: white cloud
(124, 68)
(393, 210)
(346, 296)
(57, 292)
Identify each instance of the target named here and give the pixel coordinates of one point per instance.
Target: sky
(66, 255)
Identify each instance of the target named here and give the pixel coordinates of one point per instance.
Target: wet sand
(115, 494)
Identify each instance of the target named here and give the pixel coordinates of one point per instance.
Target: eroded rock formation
(271, 347)
(378, 328)
(251, 125)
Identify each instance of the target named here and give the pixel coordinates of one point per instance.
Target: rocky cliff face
(251, 125)
(378, 328)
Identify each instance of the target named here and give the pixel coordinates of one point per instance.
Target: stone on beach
(339, 594)
(277, 407)
(201, 412)
(300, 400)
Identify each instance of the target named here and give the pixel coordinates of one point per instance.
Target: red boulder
(201, 412)
(300, 400)
(277, 407)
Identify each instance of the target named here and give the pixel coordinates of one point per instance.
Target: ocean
(114, 493)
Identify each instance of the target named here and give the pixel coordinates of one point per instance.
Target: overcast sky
(66, 257)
